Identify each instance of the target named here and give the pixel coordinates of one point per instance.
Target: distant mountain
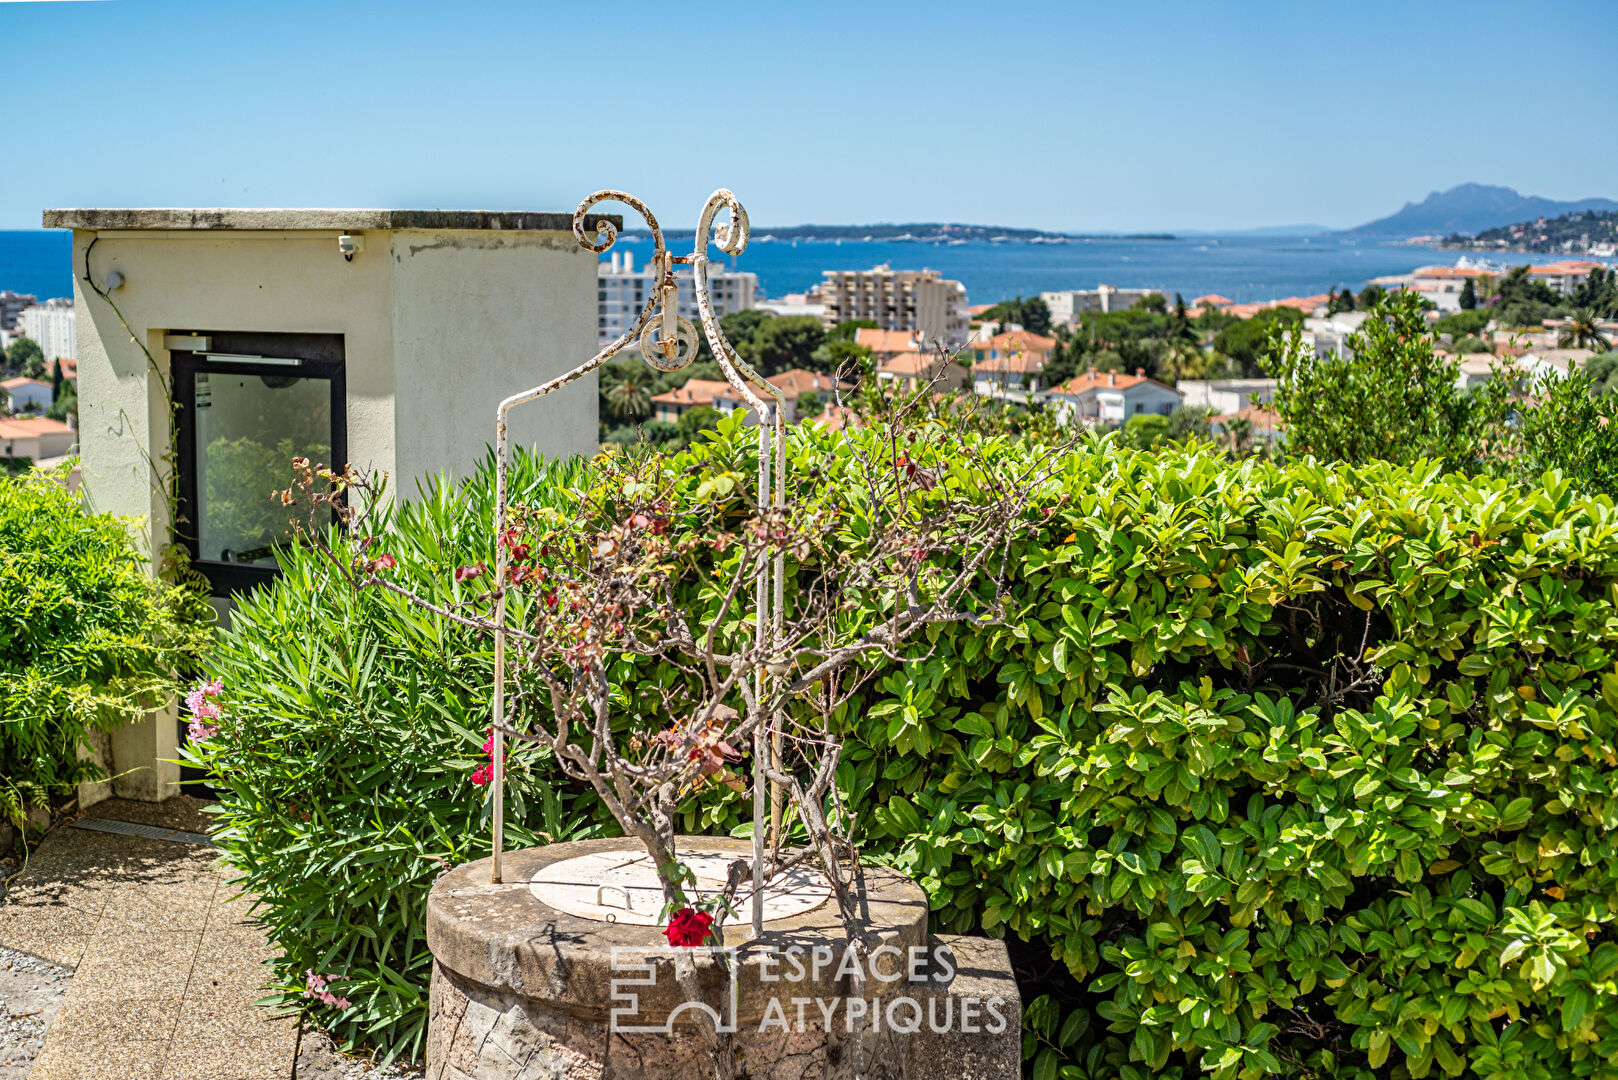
(1471, 208)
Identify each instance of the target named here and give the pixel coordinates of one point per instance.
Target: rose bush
(1293, 770)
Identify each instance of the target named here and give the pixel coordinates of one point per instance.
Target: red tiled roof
(1105, 380)
(1258, 414)
(911, 364)
(28, 427)
(1450, 272)
(22, 380)
(797, 382)
(694, 392)
(1025, 340)
(886, 341)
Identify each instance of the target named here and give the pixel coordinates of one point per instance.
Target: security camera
(348, 245)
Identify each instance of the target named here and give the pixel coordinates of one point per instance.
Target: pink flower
(316, 989)
(483, 774)
(202, 706)
(386, 562)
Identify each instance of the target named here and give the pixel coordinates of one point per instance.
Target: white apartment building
(1226, 395)
(51, 325)
(933, 307)
(1328, 335)
(1068, 304)
(622, 291)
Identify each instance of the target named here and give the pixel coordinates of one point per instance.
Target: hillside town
(912, 328)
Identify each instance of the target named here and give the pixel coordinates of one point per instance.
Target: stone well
(563, 971)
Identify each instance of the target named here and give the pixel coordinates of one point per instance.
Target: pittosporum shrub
(88, 640)
(1297, 770)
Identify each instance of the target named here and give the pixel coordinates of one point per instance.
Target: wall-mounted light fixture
(349, 245)
(115, 280)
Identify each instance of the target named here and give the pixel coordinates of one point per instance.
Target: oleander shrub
(353, 721)
(1293, 770)
(88, 640)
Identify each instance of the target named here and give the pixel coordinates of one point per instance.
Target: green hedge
(1299, 770)
(87, 639)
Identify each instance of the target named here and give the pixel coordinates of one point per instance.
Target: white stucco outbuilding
(378, 338)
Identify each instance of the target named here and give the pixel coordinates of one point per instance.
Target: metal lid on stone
(621, 886)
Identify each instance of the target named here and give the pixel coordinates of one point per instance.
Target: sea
(1244, 268)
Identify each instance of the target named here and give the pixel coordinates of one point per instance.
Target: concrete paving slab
(165, 972)
(83, 1055)
(236, 1059)
(134, 1017)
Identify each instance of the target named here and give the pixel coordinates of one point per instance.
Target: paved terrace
(166, 965)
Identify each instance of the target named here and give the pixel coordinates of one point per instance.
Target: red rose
(689, 928)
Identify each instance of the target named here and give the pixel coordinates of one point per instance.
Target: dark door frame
(319, 356)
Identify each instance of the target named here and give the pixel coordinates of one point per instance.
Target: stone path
(165, 966)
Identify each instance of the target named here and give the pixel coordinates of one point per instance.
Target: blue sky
(1067, 115)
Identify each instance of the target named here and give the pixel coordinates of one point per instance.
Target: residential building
(885, 345)
(35, 438)
(11, 305)
(1067, 305)
(1010, 363)
(1263, 425)
(795, 384)
(1309, 305)
(1475, 369)
(1443, 284)
(913, 370)
(916, 300)
(622, 292)
(1111, 397)
(1565, 276)
(1225, 395)
(791, 304)
(719, 394)
(1212, 300)
(1328, 335)
(51, 325)
(670, 405)
(27, 395)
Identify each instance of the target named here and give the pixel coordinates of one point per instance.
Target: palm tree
(629, 394)
(1583, 331)
(1240, 429)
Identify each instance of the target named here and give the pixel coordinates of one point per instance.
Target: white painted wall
(479, 315)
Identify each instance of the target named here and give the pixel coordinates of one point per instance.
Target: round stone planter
(524, 986)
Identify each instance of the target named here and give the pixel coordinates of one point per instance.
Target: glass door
(243, 416)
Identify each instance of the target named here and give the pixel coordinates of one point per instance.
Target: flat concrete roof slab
(226, 219)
